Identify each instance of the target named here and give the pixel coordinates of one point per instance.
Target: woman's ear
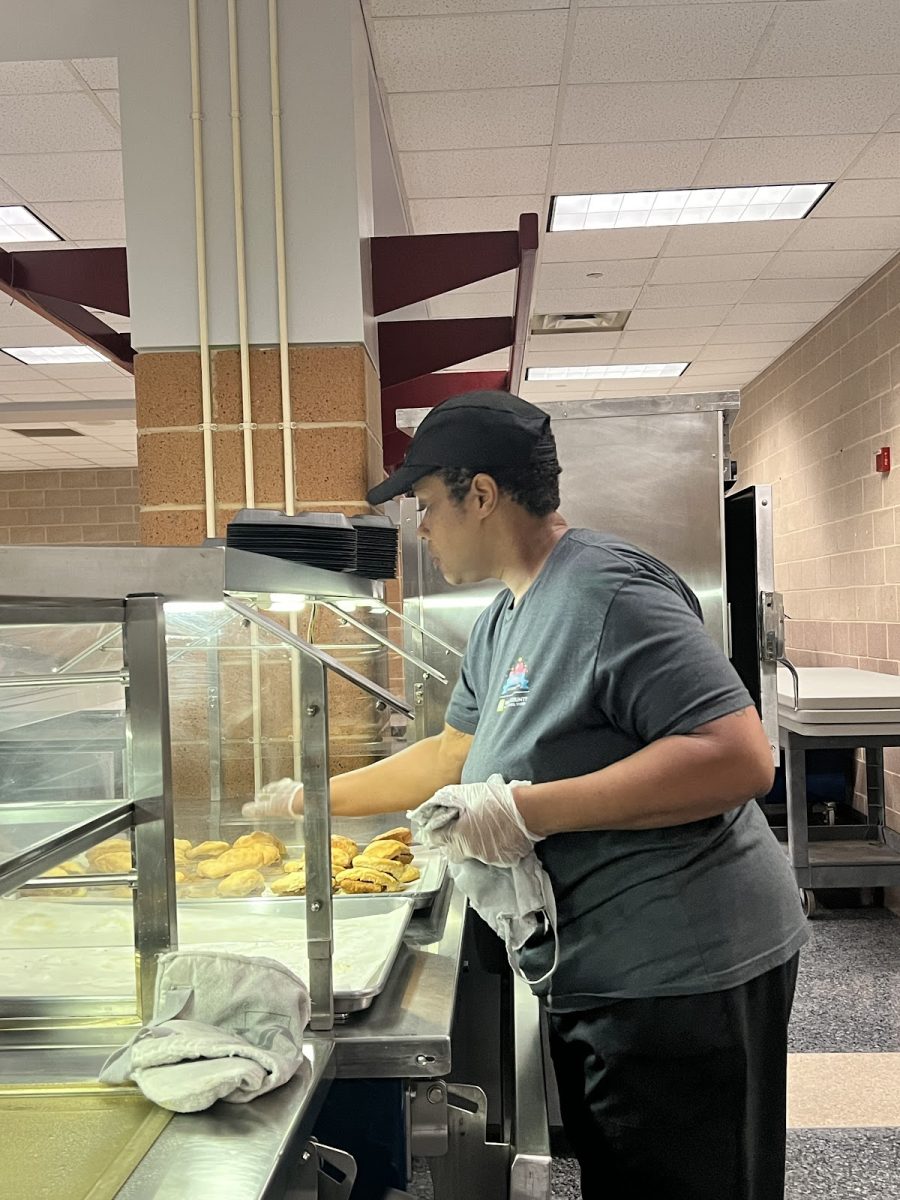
(484, 489)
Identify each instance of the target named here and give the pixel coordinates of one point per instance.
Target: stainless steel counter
(230, 1151)
(406, 1033)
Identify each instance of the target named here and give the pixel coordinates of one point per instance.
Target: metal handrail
(419, 663)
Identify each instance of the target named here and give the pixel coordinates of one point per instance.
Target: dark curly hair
(534, 486)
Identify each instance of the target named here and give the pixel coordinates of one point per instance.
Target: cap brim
(398, 484)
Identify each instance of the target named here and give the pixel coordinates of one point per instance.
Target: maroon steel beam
(528, 247)
(426, 392)
(408, 349)
(71, 318)
(406, 270)
(96, 278)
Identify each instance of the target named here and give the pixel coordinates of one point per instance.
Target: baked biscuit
(291, 865)
(389, 849)
(289, 885)
(242, 883)
(182, 845)
(410, 874)
(207, 850)
(385, 882)
(338, 841)
(387, 866)
(262, 835)
(113, 846)
(400, 834)
(243, 859)
(358, 887)
(111, 864)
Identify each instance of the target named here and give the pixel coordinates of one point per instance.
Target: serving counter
(218, 687)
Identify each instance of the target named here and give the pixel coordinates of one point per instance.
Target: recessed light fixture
(689, 206)
(614, 371)
(35, 356)
(19, 224)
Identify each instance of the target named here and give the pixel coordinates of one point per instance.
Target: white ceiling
(60, 154)
(496, 105)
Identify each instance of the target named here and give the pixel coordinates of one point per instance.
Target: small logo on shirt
(514, 692)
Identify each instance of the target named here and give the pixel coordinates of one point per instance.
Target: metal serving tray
(380, 923)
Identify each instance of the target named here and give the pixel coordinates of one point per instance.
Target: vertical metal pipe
(317, 842)
(150, 758)
(209, 490)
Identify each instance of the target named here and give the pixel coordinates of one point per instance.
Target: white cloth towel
(516, 901)
(225, 1027)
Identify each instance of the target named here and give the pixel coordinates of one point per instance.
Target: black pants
(679, 1098)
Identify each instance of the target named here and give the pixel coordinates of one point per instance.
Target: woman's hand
(280, 800)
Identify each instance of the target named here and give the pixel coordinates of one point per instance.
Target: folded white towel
(225, 1026)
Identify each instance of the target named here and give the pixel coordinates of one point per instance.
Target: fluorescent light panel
(615, 371)
(19, 224)
(35, 356)
(690, 206)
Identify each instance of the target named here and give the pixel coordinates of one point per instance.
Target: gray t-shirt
(605, 653)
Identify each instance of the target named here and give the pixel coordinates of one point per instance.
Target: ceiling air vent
(604, 322)
(46, 433)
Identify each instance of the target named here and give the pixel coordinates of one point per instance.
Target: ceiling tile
(845, 233)
(14, 372)
(789, 291)
(417, 8)
(880, 160)
(627, 166)
(510, 171)
(782, 332)
(465, 120)
(772, 314)
(98, 72)
(86, 218)
(596, 244)
(737, 350)
(746, 161)
(831, 37)
(709, 268)
(46, 387)
(655, 354)
(848, 104)
(104, 383)
(659, 43)
(556, 344)
(34, 78)
(55, 123)
(456, 53)
(80, 371)
(119, 393)
(677, 294)
(110, 101)
(629, 272)
(862, 198)
(13, 315)
(584, 300)
(734, 366)
(751, 237)
(42, 333)
(645, 112)
(504, 282)
(682, 317)
(471, 214)
(827, 264)
(566, 357)
(691, 336)
(38, 177)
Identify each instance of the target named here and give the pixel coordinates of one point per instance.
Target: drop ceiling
(494, 106)
(497, 105)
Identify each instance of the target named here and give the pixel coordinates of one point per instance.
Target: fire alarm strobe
(883, 460)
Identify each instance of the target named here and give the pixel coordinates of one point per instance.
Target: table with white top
(840, 708)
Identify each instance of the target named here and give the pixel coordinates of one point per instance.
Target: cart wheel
(808, 901)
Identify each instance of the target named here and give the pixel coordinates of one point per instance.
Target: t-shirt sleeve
(462, 711)
(657, 671)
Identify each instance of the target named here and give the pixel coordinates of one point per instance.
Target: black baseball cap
(477, 431)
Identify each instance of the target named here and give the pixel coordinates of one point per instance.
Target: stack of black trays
(325, 540)
(376, 547)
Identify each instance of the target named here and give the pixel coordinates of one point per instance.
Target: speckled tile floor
(848, 1003)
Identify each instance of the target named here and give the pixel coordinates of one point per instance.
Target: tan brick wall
(810, 425)
(55, 508)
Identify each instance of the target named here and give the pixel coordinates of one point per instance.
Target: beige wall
(810, 425)
(69, 507)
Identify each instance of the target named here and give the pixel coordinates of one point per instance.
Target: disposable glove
(475, 820)
(282, 799)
